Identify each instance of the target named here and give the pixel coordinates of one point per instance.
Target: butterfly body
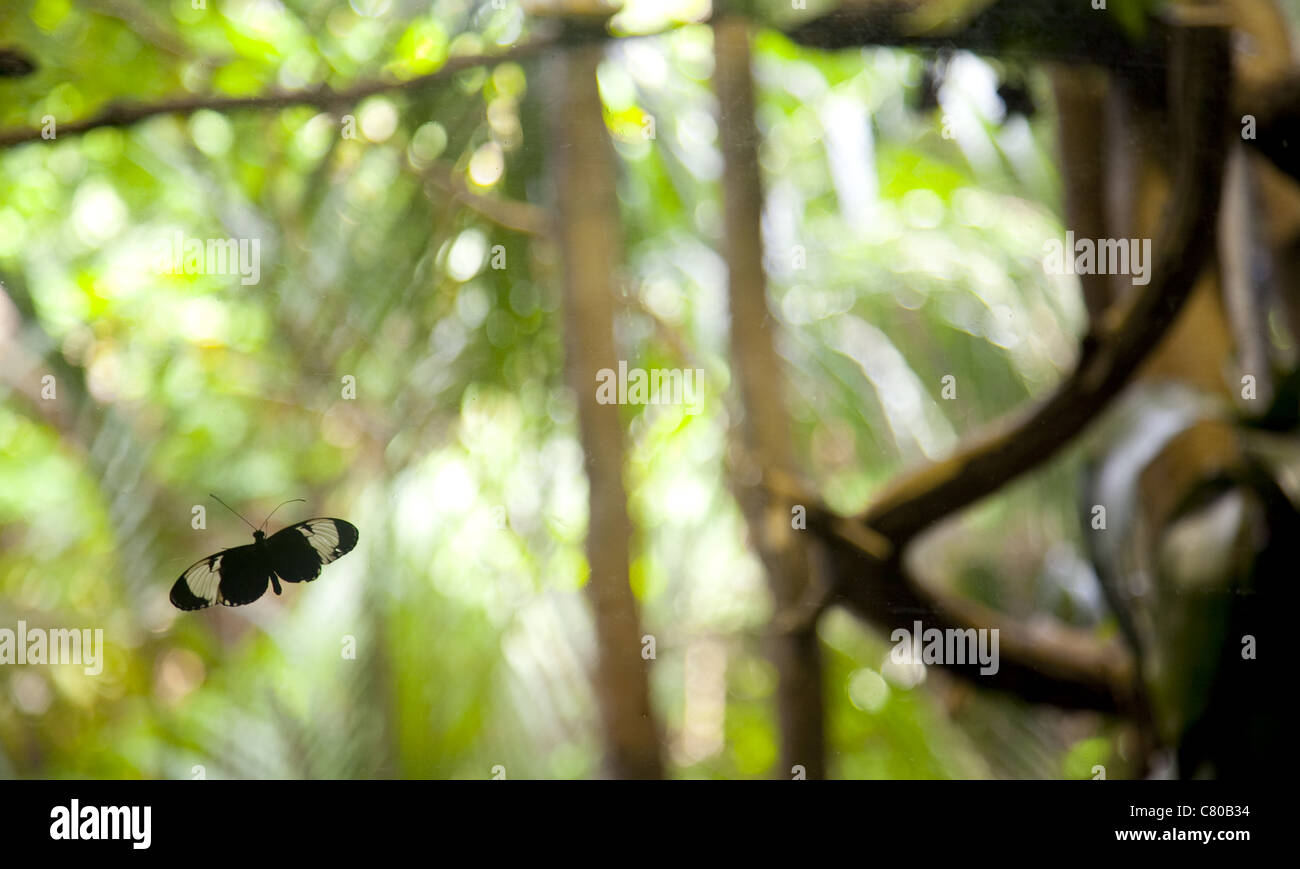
(238, 576)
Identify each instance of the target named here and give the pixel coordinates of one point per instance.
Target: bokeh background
(921, 228)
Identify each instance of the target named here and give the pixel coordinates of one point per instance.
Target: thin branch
(568, 32)
(126, 114)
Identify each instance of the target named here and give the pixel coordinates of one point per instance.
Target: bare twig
(124, 114)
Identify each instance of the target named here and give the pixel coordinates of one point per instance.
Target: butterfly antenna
(268, 518)
(231, 509)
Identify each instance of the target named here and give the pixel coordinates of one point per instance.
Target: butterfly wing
(232, 577)
(298, 551)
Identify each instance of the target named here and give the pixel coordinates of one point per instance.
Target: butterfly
(234, 577)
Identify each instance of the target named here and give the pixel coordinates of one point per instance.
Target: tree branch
(126, 114)
(1116, 345)
(1039, 31)
(1051, 666)
(1041, 661)
(567, 32)
(1060, 30)
(1081, 133)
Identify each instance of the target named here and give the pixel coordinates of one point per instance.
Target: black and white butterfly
(234, 577)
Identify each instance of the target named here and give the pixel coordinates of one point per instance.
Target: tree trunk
(589, 241)
(766, 428)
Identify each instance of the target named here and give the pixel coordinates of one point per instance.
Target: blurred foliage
(903, 247)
